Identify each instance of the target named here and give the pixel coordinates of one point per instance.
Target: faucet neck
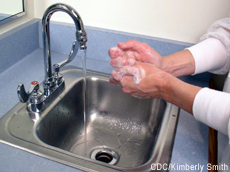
(80, 34)
(64, 8)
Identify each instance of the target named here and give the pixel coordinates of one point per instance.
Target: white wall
(183, 20)
(29, 7)
(10, 6)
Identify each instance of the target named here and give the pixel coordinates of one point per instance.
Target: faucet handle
(71, 56)
(23, 95)
(58, 78)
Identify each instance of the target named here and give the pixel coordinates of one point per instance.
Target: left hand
(125, 54)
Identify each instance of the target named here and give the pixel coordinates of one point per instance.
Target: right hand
(142, 80)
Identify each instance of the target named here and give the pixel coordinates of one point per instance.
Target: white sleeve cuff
(210, 55)
(212, 108)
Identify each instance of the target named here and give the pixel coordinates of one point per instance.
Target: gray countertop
(24, 64)
(191, 142)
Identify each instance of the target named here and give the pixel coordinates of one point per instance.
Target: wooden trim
(213, 147)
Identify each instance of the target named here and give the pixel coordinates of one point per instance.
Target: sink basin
(113, 120)
(116, 133)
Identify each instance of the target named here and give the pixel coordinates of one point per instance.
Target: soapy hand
(143, 73)
(142, 80)
(126, 54)
(130, 52)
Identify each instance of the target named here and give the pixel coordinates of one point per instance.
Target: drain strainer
(105, 155)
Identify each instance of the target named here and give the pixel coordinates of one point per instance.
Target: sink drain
(105, 155)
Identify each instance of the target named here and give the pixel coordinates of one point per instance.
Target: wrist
(179, 64)
(165, 86)
(166, 63)
(179, 93)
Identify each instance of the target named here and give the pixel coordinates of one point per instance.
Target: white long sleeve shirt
(213, 54)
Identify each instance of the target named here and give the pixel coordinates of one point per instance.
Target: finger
(130, 45)
(113, 81)
(116, 75)
(131, 88)
(128, 71)
(127, 83)
(115, 52)
(126, 45)
(131, 83)
(140, 95)
(120, 62)
(136, 71)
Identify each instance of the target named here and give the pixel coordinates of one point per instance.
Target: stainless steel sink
(117, 132)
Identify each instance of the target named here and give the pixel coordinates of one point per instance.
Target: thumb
(129, 45)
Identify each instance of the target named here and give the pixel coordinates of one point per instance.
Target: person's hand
(142, 80)
(126, 54)
(143, 73)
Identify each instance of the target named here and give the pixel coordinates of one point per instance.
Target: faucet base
(48, 96)
(52, 92)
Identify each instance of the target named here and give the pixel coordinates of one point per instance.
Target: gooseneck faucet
(81, 37)
(54, 82)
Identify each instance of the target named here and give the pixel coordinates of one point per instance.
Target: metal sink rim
(168, 140)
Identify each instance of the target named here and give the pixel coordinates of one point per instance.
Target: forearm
(212, 108)
(179, 64)
(208, 55)
(179, 93)
(208, 106)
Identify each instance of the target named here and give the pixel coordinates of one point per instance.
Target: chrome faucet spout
(81, 36)
(54, 82)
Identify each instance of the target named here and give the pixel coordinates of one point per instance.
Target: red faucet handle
(23, 95)
(34, 83)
